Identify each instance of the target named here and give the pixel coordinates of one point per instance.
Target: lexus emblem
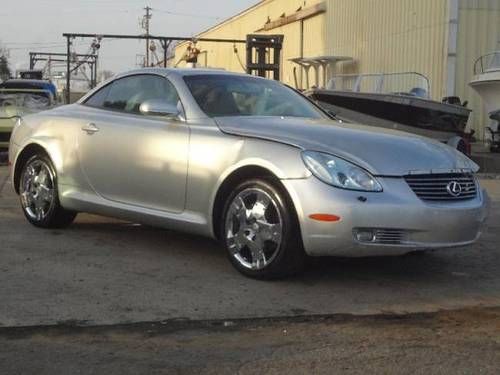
(454, 189)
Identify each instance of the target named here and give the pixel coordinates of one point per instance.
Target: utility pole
(49, 68)
(145, 25)
(68, 71)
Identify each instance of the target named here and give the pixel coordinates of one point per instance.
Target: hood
(382, 152)
(9, 112)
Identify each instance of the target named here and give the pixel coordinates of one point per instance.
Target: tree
(5, 72)
(4, 68)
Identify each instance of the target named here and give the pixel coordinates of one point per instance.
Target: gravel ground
(104, 272)
(75, 301)
(456, 342)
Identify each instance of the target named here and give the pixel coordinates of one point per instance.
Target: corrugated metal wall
(382, 35)
(478, 34)
(221, 55)
(391, 36)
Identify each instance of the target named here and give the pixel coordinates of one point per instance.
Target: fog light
(364, 235)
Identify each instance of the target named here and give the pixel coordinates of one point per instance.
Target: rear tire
(39, 195)
(260, 231)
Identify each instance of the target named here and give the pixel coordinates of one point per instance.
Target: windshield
(30, 100)
(225, 95)
(408, 84)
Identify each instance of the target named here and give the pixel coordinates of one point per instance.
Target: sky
(38, 25)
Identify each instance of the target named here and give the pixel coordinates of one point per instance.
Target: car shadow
(429, 267)
(403, 267)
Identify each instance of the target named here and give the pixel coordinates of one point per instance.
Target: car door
(131, 158)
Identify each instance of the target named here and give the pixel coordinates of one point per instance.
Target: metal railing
(407, 83)
(487, 63)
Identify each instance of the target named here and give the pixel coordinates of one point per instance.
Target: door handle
(90, 128)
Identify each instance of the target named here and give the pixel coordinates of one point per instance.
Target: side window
(127, 94)
(97, 100)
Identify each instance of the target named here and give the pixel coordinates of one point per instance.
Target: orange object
(325, 217)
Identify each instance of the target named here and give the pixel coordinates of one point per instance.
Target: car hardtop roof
(165, 72)
(182, 72)
(25, 83)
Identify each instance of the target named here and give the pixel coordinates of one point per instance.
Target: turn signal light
(325, 217)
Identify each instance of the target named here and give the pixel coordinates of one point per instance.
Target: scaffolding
(165, 42)
(75, 60)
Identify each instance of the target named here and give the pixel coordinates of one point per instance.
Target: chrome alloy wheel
(37, 189)
(254, 228)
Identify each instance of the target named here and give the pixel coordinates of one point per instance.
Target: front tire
(39, 194)
(261, 232)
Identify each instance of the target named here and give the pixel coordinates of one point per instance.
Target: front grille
(390, 236)
(443, 187)
(4, 137)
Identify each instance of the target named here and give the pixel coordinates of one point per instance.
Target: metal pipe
(68, 71)
(153, 37)
(95, 67)
(59, 54)
(165, 48)
(302, 52)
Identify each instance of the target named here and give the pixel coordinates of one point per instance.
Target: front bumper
(420, 225)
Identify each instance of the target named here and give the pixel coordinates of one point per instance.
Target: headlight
(339, 173)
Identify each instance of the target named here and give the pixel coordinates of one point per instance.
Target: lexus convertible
(247, 161)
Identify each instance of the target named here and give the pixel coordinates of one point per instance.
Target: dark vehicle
(31, 74)
(29, 84)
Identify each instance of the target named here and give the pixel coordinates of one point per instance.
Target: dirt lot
(110, 297)
(460, 342)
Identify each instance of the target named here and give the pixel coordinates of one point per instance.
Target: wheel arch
(23, 156)
(237, 176)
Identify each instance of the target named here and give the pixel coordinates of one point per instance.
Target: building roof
(237, 15)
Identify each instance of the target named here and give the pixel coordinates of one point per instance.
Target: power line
(46, 45)
(186, 14)
(32, 43)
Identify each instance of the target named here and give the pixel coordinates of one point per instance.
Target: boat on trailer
(399, 101)
(486, 83)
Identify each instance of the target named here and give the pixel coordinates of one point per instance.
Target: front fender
(29, 148)
(282, 161)
(54, 136)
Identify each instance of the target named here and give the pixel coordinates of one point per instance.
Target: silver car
(248, 161)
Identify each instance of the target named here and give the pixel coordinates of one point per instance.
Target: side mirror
(158, 107)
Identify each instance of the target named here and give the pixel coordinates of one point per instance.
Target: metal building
(438, 38)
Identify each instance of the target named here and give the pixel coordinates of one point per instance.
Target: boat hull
(424, 117)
